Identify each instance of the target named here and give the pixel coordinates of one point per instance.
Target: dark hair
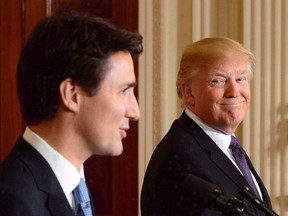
(67, 45)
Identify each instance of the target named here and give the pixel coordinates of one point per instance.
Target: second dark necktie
(240, 158)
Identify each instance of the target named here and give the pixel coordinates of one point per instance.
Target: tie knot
(234, 143)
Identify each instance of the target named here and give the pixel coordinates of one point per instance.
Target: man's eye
(241, 79)
(123, 91)
(218, 82)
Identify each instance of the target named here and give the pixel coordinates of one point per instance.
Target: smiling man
(214, 86)
(75, 85)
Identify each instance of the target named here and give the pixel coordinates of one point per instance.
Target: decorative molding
(156, 72)
(261, 27)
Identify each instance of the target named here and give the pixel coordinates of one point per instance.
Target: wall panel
(113, 180)
(262, 27)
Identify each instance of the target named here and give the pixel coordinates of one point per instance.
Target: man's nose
(133, 111)
(232, 89)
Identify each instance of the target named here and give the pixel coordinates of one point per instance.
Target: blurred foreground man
(75, 85)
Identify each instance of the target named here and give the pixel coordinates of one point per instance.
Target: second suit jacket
(29, 187)
(187, 150)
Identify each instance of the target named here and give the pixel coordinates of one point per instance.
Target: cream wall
(262, 26)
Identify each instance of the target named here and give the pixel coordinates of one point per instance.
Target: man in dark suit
(214, 86)
(75, 84)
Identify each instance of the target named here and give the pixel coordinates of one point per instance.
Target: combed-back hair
(207, 52)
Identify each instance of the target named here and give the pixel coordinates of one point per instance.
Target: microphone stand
(228, 205)
(245, 192)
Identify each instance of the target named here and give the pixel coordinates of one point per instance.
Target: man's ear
(187, 94)
(69, 92)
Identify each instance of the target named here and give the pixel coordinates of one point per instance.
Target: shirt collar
(67, 174)
(222, 140)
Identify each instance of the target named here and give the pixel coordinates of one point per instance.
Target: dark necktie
(82, 200)
(241, 162)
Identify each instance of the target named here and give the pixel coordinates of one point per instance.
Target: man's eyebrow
(131, 85)
(217, 74)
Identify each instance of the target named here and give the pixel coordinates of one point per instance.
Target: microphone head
(250, 196)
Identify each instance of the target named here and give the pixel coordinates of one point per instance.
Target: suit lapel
(262, 187)
(45, 178)
(58, 207)
(217, 157)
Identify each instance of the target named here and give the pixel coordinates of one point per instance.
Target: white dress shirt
(222, 141)
(67, 174)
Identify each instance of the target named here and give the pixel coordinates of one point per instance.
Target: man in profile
(75, 85)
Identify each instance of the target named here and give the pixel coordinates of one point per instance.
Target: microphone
(208, 195)
(246, 193)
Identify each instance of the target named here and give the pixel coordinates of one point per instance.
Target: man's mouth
(123, 132)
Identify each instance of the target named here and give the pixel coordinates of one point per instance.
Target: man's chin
(227, 128)
(112, 150)
(117, 151)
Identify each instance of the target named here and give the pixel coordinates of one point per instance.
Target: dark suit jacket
(29, 187)
(186, 149)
